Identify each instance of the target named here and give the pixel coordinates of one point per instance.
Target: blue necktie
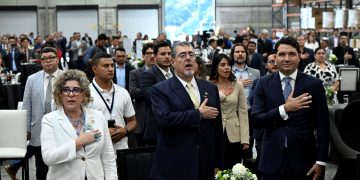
(13, 63)
(287, 88)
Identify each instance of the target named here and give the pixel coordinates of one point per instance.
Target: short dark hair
(146, 47)
(11, 37)
(220, 42)
(102, 37)
(344, 34)
(267, 56)
(288, 41)
(46, 49)
(211, 41)
(120, 49)
(24, 38)
(159, 45)
(96, 58)
(251, 42)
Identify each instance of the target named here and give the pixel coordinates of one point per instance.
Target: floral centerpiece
(238, 172)
(332, 59)
(330, 94)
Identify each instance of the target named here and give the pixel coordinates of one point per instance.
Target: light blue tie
(287, 88)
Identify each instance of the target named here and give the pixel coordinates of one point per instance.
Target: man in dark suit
(290, 106)
(255, 59)
(122, 68)
(26, 52)
(159, 72)
(13, 56)
(264, 45)
(190, 141)
(135, 91)
(345, 53)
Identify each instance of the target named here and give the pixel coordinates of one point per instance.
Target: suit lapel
(276, 87)
(202, 89)
(299, 85)
(65, 124)
(180, 91)
(159, 75)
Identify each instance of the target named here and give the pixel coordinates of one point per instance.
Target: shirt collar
(120, 67)
(163, 71)
(240, 70)
(55, 74)
(292, 75)
(193, 81)
(101, 89)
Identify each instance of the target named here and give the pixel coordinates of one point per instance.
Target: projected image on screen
(187, 17)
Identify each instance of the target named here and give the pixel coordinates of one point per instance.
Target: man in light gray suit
(135, 91)
(246, 75)
(78, 48)
(38, 101)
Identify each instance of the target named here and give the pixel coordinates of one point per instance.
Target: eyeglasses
(76, 91)
(50, 58)
(271, 62)
(149, 53)
(121, 56)
(183, 55)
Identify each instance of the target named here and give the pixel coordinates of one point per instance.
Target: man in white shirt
(112, 100)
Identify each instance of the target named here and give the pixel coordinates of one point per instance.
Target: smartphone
(111, 123)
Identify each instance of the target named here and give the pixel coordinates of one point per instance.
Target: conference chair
(346, 139)
(135, 164)
(13, 137)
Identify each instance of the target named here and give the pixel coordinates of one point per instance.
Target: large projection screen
(83, 21)
(132, 21)
(188, 17)
(18, 22)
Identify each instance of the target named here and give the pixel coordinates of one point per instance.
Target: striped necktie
(47, 103)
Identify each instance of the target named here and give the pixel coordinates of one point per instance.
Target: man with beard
(246, 75)
(135, 91)
(345, 53)
(159, 72)
(255, 59)
(190, 142)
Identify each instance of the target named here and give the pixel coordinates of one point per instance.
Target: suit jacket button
(83, 158)
(198, 147)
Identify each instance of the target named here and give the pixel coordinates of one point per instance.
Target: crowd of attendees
(120, 86)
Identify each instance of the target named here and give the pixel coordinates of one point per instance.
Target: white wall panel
(138, 20)
(83, 21)
(18, 22)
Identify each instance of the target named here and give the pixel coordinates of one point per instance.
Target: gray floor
(329, 174)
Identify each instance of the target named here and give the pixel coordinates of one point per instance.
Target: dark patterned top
(328, 76)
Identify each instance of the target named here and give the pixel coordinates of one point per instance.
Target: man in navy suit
(255, 59)
(290, 106)
(187, 110)
(157, 73)
(122, 68)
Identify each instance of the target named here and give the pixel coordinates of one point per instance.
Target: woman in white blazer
(75, 140)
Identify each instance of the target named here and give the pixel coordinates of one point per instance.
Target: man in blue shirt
(122, 68)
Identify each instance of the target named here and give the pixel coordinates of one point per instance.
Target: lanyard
(112, 102)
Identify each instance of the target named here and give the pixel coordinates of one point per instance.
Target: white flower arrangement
(238, 172)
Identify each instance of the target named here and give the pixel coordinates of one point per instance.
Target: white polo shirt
(122, 107)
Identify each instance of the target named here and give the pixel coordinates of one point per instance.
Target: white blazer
(96, 160)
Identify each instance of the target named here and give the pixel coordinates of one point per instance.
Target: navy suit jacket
(303, 149)
(188, 146)
(18, 56)
(148, 79)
